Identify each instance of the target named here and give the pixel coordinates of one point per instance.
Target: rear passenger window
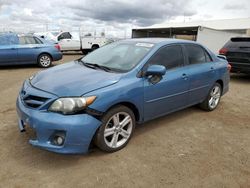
(22, 40)
(29, 40)
(170, 57)
(197, 54)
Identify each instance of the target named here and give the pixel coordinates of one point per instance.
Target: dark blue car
(27, 49)
(102, 96)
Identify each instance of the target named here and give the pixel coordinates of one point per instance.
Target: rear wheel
(213, 98)
(44, 60)
(116, 129)
(94, 47)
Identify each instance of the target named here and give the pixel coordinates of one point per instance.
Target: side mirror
(155, 70)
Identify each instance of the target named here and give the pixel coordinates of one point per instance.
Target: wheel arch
(221, 84)
(131, 106)
(95, 45)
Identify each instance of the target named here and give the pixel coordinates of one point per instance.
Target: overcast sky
(113, 14)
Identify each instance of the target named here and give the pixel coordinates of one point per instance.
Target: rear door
(170, 93)
(29, 49)
(201, 71)
(8, 49)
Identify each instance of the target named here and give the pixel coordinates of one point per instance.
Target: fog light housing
(58, 139)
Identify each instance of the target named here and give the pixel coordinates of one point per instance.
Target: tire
(94, 47)
(44, 60)
(213, 98)
(113, 136)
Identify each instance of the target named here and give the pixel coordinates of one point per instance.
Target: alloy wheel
(45, 61)
(118, 129)
(215, 95)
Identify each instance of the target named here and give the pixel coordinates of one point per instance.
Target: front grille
(34, 101)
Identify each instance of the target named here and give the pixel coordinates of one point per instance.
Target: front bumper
(79, 129)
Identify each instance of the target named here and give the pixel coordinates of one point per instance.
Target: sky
(117, 17)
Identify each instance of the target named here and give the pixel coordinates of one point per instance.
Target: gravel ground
(190, 148)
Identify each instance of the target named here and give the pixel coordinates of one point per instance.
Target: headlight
(71, 105)
(31, 78)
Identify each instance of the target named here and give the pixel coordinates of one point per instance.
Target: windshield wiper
(107, 69)
(94, 66)
(86, 64)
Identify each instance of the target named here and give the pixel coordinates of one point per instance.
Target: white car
(71, 41)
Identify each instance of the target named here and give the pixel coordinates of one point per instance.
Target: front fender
(127, 90)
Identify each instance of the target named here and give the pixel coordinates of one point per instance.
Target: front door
(171, 92)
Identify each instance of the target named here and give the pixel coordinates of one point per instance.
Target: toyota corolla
(101, 97)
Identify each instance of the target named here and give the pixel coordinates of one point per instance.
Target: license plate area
(30, 132)
(27, 130)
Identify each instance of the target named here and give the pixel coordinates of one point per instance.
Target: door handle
(212, 69)
(184, 76)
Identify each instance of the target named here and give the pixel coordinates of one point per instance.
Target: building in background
(213, 34)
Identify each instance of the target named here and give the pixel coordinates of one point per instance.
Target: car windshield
(119, 56)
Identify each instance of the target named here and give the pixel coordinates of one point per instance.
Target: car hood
(73, 79)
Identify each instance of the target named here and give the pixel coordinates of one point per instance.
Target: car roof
(159, 40)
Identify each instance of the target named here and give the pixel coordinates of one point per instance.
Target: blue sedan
(102, 96)
(27, 49)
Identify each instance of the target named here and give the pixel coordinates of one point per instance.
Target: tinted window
(170, 57)
(196, 54)
(208, 57)
(240, 42)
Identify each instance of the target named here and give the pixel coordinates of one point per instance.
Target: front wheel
(213, 98)
(116, 129)
(44, 61)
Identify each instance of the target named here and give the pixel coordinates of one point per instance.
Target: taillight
(223, 51)
(229, 67)
(57, 46)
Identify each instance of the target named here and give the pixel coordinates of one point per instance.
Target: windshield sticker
(147, 45)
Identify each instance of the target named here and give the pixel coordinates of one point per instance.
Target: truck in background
(73, 41)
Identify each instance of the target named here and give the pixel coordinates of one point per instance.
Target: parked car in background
(27, 49)
(237, 52)
(100, 97)
(72, 41)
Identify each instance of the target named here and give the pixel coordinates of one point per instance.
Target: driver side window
(169, 56)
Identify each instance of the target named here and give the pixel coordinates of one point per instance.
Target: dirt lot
(191, 148)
